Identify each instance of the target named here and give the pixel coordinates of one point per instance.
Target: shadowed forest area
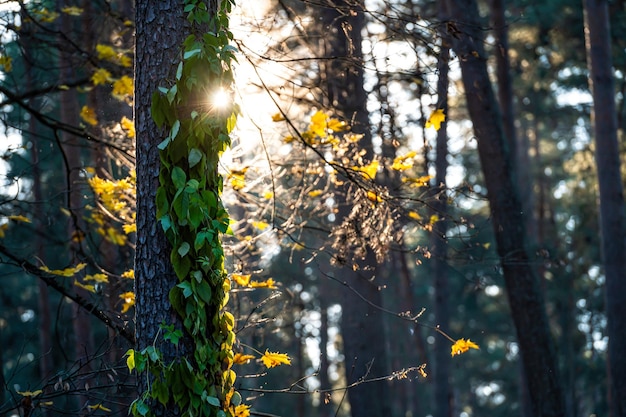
(351, 208)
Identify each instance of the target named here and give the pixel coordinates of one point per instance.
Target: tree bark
(442, 390)
(160, 31)
(361, 323)
(604, 117)
(523, 287)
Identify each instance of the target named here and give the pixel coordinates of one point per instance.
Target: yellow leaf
(315, 193)
(269, 283)
(436, 118)
(67, 272)
(241, 359)
(421, 371)
(242, 410)
(86, 287)
(354, 137)
(271, 359)
(403, 162)
(129, 126)
(130, 274)
(129, 228)
(123, 87)
(105, 52)
(99, 407)
(337, 125)
(6, 62)
(318, 124)
(278, 117)
(415, 216)
(3, 228)
(29, 393)
(268, 195)
(368, 170)
(20, 218)
(433, 219)
(242, 280)
(260, 225)
(129, 300)
(462, 346)
(373, 197)
(101, 76)
(88, 115)
(418, 182)
(72, 10)
(99, 278)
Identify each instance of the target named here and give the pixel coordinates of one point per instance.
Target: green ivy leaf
(179, 178)
(195, 156)
(214, 401)
(183, 249)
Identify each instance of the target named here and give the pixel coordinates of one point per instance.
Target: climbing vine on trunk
(190, 210)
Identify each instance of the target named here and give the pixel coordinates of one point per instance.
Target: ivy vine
(190, 210)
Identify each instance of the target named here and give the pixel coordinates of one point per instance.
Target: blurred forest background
(363, 242)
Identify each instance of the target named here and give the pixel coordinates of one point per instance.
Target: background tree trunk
(523, 287)
(362, 323)
(599, 60)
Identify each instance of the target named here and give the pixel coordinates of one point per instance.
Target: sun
(220, 99)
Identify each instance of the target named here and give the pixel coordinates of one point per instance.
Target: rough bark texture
(597, 35)
(362, 323)
(160, 31)
(523, 287)
(442, 391)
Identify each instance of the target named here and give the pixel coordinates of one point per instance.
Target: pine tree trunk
(160, 31)
(361, 323)
(442, 390)
(599, 60)
(523, 287)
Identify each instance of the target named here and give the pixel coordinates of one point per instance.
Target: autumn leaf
(403, 162)
(129, 300)
(318, 124)
(415, 215)
(261, 225)
(436, 118)
(368, 170)
(271, 359)
(101, 76)
(72, 10)
(123, 87)
(105, 52)
(98, 407)
(268, 195)
(242, 410)
(128, 126)
(31, 394)
(6, 62)
(20, 218)
(373, 197)
(130, 228)
(87, 287)
(268, 283)
(99, 278)
(88, 115)
(242, 359)
(278, 117)
(315, 193)
(418, 182)
(130, 274)
(242, 280)
(462, 346)
(67, 272)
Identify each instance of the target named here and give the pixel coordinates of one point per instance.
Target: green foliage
(193, 218)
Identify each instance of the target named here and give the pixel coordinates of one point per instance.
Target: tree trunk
(442, 391)
(361, 322)
(523, 287)
(160, 31)
(599, 60)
